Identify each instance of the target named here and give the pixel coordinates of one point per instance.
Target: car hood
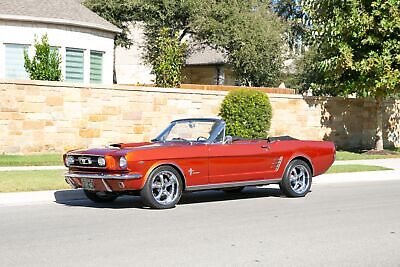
(125, 148)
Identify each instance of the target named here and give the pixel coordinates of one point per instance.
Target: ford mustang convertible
(196, 154)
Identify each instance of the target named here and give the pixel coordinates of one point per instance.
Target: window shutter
(96, 67)
(74, 65)
(15, 61)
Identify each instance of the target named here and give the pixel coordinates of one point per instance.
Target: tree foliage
(168, 63)
(45, 65)
(247, 113)
(358, 44)
(250, 34)
(247, 31)
(118, 12)
(298, 23)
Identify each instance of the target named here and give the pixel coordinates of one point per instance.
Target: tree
(298, 23)
(250, 34)
(247, 31)
(170, 59)
(358, 44)
(45, 65)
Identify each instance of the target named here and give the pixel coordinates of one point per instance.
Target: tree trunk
(379, 123)
(114, 70)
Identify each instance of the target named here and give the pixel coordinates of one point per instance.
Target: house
(205, 65)
(84, 40)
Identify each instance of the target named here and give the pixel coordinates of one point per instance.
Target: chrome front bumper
(69, 176)
(102, 176)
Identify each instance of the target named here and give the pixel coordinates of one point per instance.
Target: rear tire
(163, 188)
(297, 179)
(100, 197)
(233, 189)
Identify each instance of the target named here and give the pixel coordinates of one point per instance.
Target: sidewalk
(392, 163)
(32, 168)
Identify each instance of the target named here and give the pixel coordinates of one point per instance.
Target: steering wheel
(201, 138)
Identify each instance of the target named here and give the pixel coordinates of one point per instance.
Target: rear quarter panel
(321, 154)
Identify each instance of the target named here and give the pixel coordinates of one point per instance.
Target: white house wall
(62, 37)
(129, 63)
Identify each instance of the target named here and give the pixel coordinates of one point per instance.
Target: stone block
(97, 118)
(138, 129)
(33, 125)
(111, 110)
(89, 133)
(135, 115)
(54, 101)
(32, 107)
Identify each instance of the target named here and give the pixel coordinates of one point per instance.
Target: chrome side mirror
(228, 139)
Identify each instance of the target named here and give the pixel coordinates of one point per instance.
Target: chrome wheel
(165, 187)
(299, 179)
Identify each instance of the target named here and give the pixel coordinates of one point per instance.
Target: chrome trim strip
(234, 184)
(85, 167)
(102, 176)
(106, 185)
(82, 155)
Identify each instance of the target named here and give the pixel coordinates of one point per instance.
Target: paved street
(345, 224)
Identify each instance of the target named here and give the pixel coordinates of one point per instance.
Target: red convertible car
(195, 154)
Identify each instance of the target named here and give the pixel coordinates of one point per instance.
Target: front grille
(86, 161)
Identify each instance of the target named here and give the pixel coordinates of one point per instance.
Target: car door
(240, 161)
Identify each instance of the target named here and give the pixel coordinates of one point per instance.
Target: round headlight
(101, 161)
(122, 162)
(69, 160)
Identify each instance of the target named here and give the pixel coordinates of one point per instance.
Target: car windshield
(189, 131)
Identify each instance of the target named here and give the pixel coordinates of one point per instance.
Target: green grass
(355, 168)
(346, 155)
(31, 160)
(21, 181)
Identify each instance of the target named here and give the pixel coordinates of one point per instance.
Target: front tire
(100, 197)
(163, 188)
(297, 179)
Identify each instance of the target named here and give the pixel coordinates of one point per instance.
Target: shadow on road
(188, 198)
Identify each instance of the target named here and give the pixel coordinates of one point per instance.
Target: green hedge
(247, 113)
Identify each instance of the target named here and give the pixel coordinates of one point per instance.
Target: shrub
(247, 113)
(45, 65)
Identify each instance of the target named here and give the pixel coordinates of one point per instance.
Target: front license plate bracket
(88, 184)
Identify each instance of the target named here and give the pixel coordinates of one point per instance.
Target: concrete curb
(32, 168)
(41, 196)
(354, 177)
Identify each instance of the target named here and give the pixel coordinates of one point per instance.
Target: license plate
(88, 184)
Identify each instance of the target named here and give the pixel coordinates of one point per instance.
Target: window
(96, 67)
(15, 61)
(74, 65)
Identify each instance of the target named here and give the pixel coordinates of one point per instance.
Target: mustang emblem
(85, 160)
(191, 171)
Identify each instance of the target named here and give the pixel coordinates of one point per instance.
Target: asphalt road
(335, 225)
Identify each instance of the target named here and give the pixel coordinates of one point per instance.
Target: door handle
(265, 146)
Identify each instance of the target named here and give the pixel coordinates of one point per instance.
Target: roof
(64, 12)
(206, 56)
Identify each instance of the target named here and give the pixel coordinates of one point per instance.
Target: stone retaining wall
(54, 117)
